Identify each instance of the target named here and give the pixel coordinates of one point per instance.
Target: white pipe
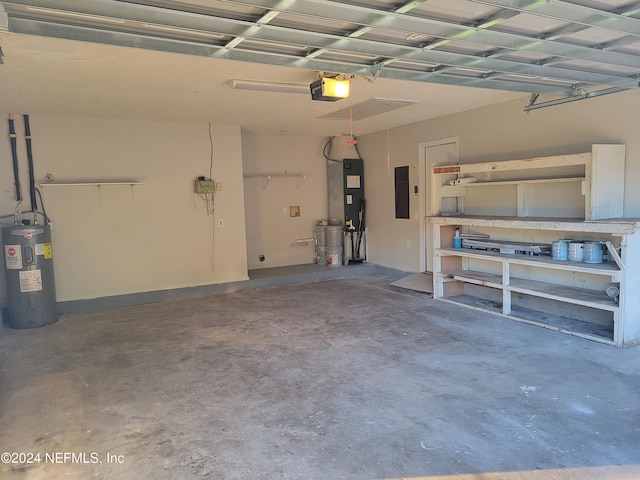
(304, 241)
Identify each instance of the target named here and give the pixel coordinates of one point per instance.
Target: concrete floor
(341, 379)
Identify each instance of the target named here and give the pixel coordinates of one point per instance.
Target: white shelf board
(522, 164)
(598, 333)
(265, 175)
(607, 269)
(497, 183)
(612, 226)
(578, 296)
(88, 184)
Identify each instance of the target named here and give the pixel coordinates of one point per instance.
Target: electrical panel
(205, 186)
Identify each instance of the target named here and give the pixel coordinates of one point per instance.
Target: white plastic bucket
(593, 252)
(334, 256)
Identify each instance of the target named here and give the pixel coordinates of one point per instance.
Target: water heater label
(45, 250)
(13, 257)
(30, 281)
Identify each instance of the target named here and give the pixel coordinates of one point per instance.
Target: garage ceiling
(567, 50)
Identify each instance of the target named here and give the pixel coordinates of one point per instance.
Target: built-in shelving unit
(600, 174)
(568, 296)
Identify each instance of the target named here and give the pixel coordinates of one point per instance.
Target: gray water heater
(28, 262)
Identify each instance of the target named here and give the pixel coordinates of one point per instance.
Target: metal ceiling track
(401, 41)
(579, 95)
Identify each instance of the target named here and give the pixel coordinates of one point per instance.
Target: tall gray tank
(28, 259)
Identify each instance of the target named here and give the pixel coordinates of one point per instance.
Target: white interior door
(439, 152)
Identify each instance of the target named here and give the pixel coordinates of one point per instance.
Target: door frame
(423, 195)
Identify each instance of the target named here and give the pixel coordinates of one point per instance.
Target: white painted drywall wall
(117, 240)
(298, 178)
(499, 132)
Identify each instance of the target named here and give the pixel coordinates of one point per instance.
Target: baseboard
(91, 304)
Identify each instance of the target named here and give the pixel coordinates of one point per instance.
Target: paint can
(593, 252)
(560, 250)
(576, 251)
(321, 255)
(321, 235)
(334, 236)
(334, 256)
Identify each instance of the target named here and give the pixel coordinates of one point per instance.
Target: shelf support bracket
(614, 255)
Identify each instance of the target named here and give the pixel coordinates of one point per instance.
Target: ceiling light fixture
(329, 89)
(269, 86)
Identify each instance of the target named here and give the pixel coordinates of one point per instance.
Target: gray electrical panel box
(346, 192)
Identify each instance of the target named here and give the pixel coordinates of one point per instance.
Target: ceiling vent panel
(369, 108)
